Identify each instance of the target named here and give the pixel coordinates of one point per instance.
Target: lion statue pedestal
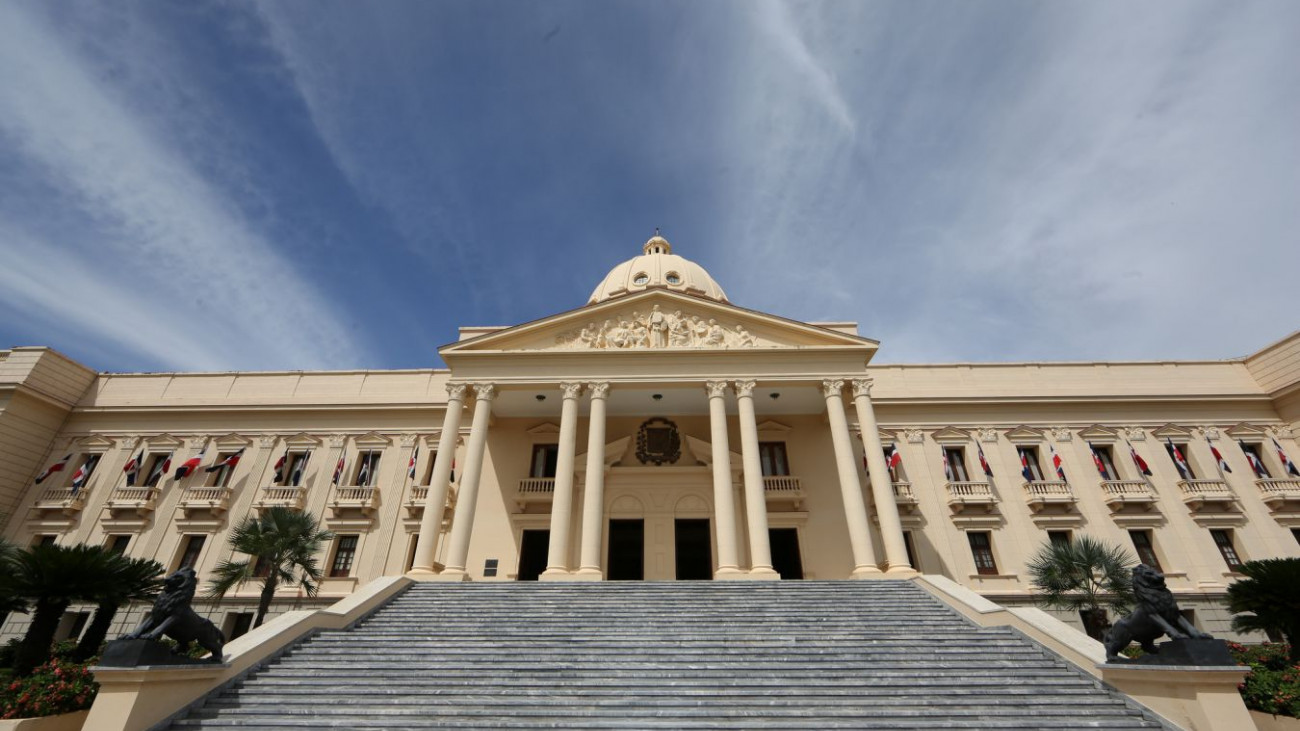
(1157, 615)
(172, 617)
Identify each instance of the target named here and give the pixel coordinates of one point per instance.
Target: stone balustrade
(1199, 494)
(1121, 493)
(61, 499)
(963, 496)
(1279, 493)
(292, 497)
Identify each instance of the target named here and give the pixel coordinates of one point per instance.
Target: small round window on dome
(641, 279)
(673, 278)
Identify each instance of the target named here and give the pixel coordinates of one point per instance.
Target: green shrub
(1273, 684)
(7, 651)
(53, 688)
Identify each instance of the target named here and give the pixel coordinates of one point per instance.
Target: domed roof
(658, 266)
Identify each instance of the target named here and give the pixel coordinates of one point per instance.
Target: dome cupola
(659, 267)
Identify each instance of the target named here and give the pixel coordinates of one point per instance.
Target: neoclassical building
(661, 432)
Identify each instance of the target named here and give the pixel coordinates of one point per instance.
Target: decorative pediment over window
(772, 430)
(545, 428)
(951, 435)
(302, 440)
(372, 440)
(164, 441)
(1173, 431)
(231, 440)
(1025, 435)
(95, 444)
(1246, 431)
(1099, 433)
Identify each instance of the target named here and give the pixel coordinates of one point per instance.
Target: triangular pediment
(657, 320)
(372, 440)
(1098, 433)
(301, 440)
(164, 441)
(1246, 431)
(951, 435)
(772, 428)
(96, 443)
(1172, 431)
(545, 428)
(1024, 433)
(232, 440)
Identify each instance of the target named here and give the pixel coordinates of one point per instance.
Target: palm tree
(1270, 594)
(1084, 575)
(133, 579)
(9, 601)
(52, 577)
(281, 545)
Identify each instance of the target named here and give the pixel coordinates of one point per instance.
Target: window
(155, 471)
(490, 567)
(193, 546)
(1029, 464)
(544, 459)
(641, 279)
(981, 547)
(1146, 550)
(71, 625)
(1180, 450)
(238, 623)
(1255, 456)
(261, 568)
(895, 473)
(1295, 533)
(1107, 460)
(1223, 539)
(673, 278)
(220, 477)
(344, 554)
(297, 464)
(410, 550)
(773, 459)
(428, 469)
(44, 540)
(911, 549)
(1059, 537)
(956, 457)
(367, 466)
(118, 544)
(92, 461)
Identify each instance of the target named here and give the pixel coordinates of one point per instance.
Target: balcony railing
(420, 495)
(1277, 492)
(356, 496)
(965, 495)
(215, 499)
(139, 500)
(63, 499)
(1041, 493)
(1119, 493)
(1200, 493)
(904, 496)
(282, 496)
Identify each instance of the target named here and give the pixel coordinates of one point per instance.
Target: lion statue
(1156, 615)
(172, 616)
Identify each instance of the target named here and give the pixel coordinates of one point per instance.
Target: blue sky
(306, 185)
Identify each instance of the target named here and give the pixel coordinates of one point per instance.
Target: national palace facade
(660, 432)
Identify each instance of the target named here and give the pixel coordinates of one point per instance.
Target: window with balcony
(896, 474)
(1106, 462)
(1184, 465)
(772, 457)
(544, 458)
(191, 548)
(981, 548)
(1255, 455)
(220, 477)
(428, 469)
(345, 552)
(367, 467)
(956, 460)
(155, 471)
(1145, 547)
(117, 544)
(1031, 470)
(1223, 539)
(92, 461)
(297, 464)
(1059, 537)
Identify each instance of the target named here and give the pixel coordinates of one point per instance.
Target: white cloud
(164, 238)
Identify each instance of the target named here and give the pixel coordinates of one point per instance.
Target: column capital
(571, 390)
(456, 391)
(598, 389)
(408, 440)
(861, 387)
(485, 391)
(716, 389)
(745, 388)
(832, 387)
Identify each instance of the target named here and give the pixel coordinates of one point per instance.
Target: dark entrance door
(694, 549)
(785, 552)
(626, 550)
(532, 554)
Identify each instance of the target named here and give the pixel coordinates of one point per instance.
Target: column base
(449, 575)
(555, 575)
(868, 572)
(729, 572)
(587, 575)
(761, 573)
(902, 572)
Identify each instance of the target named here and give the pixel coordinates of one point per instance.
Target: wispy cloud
(165, 263)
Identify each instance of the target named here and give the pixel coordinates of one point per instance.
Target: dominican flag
(1223, 463)
(1096, 459)
(410, 468)
(338, 472)
(1255, 464)
(230, 462)
(83, 472)
(895, 459)
(984, 463)
(133, 467)
(1287, 464)
(1025, 472)
(56, 467)
(191, 464)
(452, 476)
(1057, 463)
(296, 477)
(160, 468)
(279, 467)
(363, 477)
(1137, 460)
(1180, 462)
(947, 468)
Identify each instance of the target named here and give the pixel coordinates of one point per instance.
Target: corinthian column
(724, 501)
(855, 508)
(462, 524)
(557, 554)
(760, 547)
(439, 483)
(891, 528)
(593, 497)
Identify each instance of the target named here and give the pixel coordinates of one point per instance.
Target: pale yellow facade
(668, 405)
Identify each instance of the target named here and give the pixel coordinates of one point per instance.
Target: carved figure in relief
(699, 330)
(658, 328)
(680, 337)
(743, 337)
(716, 336)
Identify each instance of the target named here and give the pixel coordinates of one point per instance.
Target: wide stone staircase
(680, 655)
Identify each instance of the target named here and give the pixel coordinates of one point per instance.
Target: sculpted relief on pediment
(657, 329)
